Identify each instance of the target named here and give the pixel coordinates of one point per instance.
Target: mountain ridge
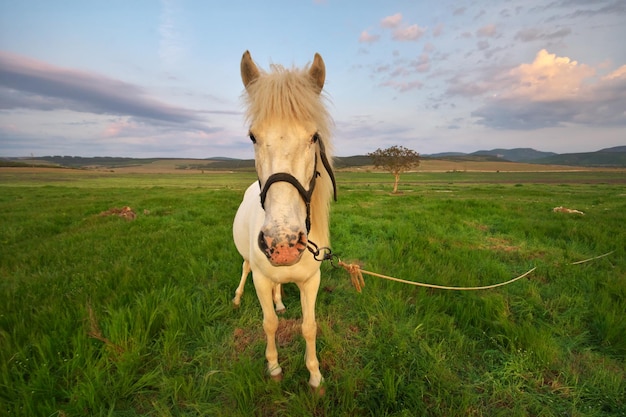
(606, 157)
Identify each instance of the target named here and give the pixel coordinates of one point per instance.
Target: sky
(150, 78)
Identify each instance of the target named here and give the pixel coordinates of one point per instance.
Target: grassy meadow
(102, 316)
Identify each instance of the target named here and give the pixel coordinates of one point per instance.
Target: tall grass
(103, 316)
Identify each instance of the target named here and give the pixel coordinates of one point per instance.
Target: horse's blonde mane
(288, 96)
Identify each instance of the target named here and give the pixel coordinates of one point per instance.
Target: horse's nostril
(263, 245)
(302, 241)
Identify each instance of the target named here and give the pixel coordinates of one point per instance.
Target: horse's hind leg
(239, 291)
(277, 294)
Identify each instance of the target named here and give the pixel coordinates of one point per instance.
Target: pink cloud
(400, 71)
(10, 128)
(403, 87)
(118, 128)
(488, 31)
(409, 33)
(392, 21)
(422, 63)
(365, 37)
(549, 77)
(619, 73)
(438, 30)
(547, 92)
(400, 31)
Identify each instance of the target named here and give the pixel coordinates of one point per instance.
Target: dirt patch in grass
(475, 225)
(288, 330)
(500, 245)
(124, 212)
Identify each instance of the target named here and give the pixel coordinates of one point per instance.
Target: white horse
(287, 210)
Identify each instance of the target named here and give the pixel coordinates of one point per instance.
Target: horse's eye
(252, 138)
(315, 138)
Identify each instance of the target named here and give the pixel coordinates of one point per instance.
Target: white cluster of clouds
(400, 31)
(549, 91)
(398, 74)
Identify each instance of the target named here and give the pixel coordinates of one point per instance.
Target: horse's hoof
(277, 378)
(236, 304)
(281, 310)
(320, 390)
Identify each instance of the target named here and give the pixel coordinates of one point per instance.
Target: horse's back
(248, 214)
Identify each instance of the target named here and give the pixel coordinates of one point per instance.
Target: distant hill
(602, 158)
(444, 155)
(513, 155)
(608, 157)
(517, 154)
(465, 157)
(352, 161)
(614, 149)
(223, 164)
(80, 162)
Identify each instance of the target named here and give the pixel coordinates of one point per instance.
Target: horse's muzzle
(284, 251)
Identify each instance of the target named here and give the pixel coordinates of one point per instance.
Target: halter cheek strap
(327, 166)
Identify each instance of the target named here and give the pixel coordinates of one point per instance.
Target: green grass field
(108, 317)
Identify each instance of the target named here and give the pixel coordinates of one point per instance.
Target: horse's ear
(317, 72)
(249, 71)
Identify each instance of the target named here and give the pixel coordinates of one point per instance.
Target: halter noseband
(305, 194)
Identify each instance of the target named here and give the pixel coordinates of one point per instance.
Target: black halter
(305, 194)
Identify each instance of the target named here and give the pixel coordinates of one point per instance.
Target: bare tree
(396, 159)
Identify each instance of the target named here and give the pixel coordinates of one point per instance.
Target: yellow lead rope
(356, 276)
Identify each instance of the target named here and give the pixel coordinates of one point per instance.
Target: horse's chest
(299, 272)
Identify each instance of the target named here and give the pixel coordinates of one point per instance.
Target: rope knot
(355, 275)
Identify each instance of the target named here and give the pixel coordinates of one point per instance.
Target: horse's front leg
(308, 296)
(264, 288)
